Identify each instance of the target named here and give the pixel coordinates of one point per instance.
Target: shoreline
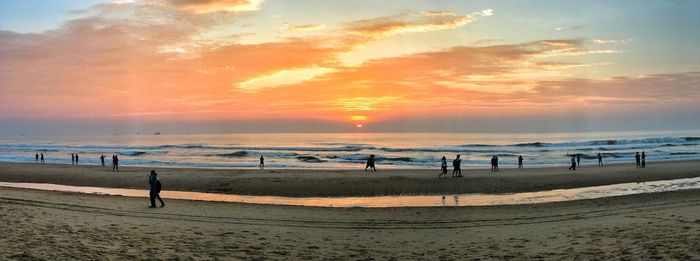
(347, 183)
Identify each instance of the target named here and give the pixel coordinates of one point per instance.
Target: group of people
(75, 160)
(641, 160)
(37, 157)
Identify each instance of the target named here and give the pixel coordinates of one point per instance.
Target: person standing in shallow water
(262, 162)
(115, 163)
(520, 161)
(77, 158)
(102, 160)
(644, 160)
(154, 189)
(370, 163)
(36, 157)
(573, 162)
(443, 167)
(578, 159)
(42, 157)
(600, 160)
(638, 159)
(457, 165)
(72, 159)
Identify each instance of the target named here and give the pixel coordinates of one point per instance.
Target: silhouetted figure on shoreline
(370, 163)
(520, 161)
(494, 164)
(638, 159)
(644, 160)
(72, 159)
(115, 163)
(443, 167)
(573, 162)
(42, 158)
(457, 165)
(36, 157)
(102, 160)
(600, 159)
(578, 159)
(77, 158)
(154, 189)
(262, 162)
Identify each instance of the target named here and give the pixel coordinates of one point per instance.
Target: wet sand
(56, 226)
(321, 183)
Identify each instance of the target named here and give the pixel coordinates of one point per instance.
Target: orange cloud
(209, 6)
(411, 22)
(304, 27)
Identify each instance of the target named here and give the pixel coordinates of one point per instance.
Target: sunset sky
(296, 65)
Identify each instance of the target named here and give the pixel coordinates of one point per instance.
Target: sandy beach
(313, 183)
(57, 225)
(51, 225)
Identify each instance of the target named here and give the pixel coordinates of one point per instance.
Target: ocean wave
(310, 159)
(132, 153)
(236, 154)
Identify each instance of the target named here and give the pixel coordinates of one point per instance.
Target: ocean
(350, 150)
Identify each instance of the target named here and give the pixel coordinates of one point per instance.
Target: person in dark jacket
(155, 187)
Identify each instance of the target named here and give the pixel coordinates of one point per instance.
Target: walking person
(578, 159)
(72, 159)
(115, 163)
(102, 160)
(154, 189)
(42, 157)
(36, 157)
(638, 159)
(457, 165)
(520, 161)
(600, 159)
(644, 160)
(370, 163)
(262, 162)
(573, 163)
(77, 158)
(493, 163)
(443, 167)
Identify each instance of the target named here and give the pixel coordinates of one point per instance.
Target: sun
(359, 126)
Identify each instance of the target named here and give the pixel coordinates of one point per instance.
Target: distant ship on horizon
(157, 133)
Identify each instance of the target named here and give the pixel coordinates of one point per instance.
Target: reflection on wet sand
(396, 201)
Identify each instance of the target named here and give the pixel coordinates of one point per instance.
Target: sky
(324, 65)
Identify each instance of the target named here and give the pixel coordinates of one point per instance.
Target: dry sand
(310, 183)
(58, 226)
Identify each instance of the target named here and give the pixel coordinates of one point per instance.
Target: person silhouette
(262, 162)
(443, 167)
(637, 158)
(494, 164)
(370, 163)
(573, 162)
(578, 159)
(457, 167)
(102, 160)
(600, 159)
(520, 161)
(77, 158)
(154, 189)
(42, 157)
(115, 163)
(644, 160)
(72, 159)
(36, 157)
